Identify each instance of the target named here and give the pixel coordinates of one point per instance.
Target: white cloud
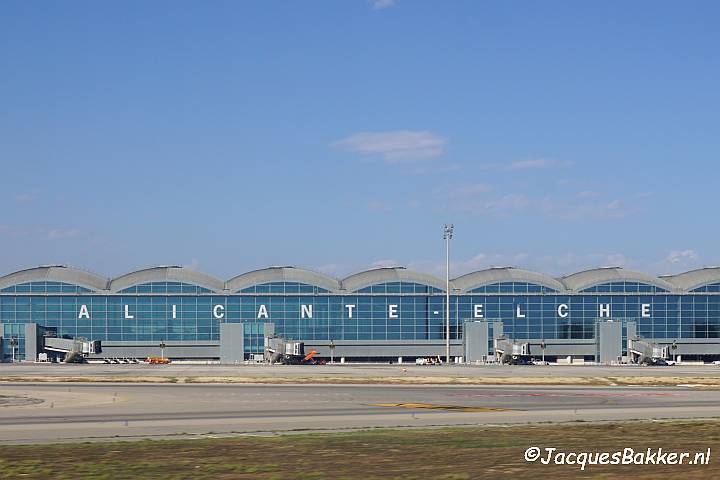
(615, 260)
(436, 169)
(460, 267)
(472, 189)
(14, 232)
(60, 233)
(385, 263)
(677, 256)
(38, 232)
(462, 191)
(567, 263)
(535, 163)
(193, 265)
(511, 204)
(503, 206)
(333, 269)
(26, 197)
(587, 194)
(379, 206)
(381, 4)
(604, 210)
(340, 270)
(396, 146)
(526, 164)
(554, 265)
(567, 182)
(487, 260)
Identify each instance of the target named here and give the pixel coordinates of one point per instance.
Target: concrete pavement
(128, 411)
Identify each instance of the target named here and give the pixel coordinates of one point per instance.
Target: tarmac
(62, 412)
(39, 405)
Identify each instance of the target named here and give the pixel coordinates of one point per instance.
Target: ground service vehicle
(277, 350)
(157, 360)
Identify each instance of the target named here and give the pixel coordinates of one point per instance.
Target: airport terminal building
(383, 314)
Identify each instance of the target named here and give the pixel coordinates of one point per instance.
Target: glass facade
(16, 331)
(283, 287)
(512, 287)
(176, 311)
(254, 337)
(712, 288)
(165, 287)
(624, 287)
(399, 287)
(44, 287)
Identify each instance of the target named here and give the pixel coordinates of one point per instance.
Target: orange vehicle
(157, 360)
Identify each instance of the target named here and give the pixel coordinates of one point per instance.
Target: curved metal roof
(589, 278)
(505, 274)
(282, 274)
(166, 274)
(575, 282)
(390, 274)
(695, 278)
(55, 273)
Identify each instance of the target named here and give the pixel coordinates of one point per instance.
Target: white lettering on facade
(306, 311)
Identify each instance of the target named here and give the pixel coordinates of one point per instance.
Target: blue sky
(342, 134)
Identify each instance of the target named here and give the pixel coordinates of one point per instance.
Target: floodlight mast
(447, 236)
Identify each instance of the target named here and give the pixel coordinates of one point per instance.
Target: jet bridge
(511, 351)
(45, 344)
(286, 352)
(646, 353)
(71, 350)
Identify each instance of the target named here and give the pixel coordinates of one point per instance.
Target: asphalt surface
(81, 412)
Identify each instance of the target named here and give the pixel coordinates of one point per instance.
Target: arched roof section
(597, 276)
(56, 273)
(282, 274)
(695, 278)
(390, 274)
(481, 278)
(166, 274)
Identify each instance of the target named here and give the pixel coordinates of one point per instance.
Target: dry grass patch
(453, 453)
(711, 382)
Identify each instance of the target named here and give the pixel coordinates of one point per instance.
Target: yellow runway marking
(432, 406)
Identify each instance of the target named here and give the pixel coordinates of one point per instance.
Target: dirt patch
(18, 401)
(703, 382)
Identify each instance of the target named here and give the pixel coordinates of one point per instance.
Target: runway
(57, 412)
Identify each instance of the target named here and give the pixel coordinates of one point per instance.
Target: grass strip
(448, 453)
